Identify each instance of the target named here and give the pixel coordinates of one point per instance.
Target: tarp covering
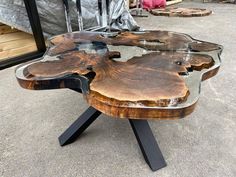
(52, 16)
(153, 4)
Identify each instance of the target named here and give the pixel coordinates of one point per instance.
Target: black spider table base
(143, 133)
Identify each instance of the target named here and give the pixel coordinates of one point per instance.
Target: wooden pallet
(14, 42)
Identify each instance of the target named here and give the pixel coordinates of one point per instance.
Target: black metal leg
(148, 145)
(32, 11)
(79, 126)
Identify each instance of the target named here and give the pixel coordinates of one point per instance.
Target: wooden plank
(17, 52)
(16, 44)
(169, 3)
(4, 29)
(14, 36)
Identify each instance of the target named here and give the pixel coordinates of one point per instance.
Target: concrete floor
(201, 145)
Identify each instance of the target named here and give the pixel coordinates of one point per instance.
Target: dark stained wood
(152, 85)
(210, 73)
(203, 47)
(153, 40)
(70, 63)
(181, 12)
(4, 29)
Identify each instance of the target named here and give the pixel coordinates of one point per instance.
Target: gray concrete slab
(201, 145)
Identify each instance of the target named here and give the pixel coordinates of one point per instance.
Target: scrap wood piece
(181, 12)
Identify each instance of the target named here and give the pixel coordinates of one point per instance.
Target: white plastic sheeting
(52, 17)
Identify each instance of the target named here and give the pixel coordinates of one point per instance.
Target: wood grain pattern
(155, 84)
(14, 37)
(181, 12)
(4, 29)
(14, 43)
(6, 54)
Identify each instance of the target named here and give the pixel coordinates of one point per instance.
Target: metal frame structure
(103, 21)
(143, 133)
(35, 24)
(138, 9)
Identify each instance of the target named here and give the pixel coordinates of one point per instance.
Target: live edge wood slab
(138, 75)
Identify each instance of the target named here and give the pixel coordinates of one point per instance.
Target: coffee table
(128, 75)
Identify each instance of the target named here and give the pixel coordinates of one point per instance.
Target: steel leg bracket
(143, 133)
(79, 126)
(148, 145)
